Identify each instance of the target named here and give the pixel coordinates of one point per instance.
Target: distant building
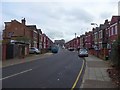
(61, 42)
(46, 42)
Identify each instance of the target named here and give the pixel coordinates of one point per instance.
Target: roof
(102, 26)
(39, 30)
(8, 23)
(31, 26)
(114, 19)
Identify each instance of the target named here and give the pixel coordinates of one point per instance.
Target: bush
(115, 53)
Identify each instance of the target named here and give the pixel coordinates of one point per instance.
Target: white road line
(16, 74)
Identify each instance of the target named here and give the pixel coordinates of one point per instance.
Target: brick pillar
(4, 46)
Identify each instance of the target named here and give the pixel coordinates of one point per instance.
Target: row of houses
(19, 37)
(100, 39)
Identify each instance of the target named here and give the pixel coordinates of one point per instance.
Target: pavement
(95, 75)
(22, 60)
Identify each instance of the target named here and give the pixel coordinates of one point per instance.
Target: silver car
(83, 53)
(34, 50)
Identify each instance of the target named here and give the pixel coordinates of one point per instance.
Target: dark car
(83, 53)
(54, 49)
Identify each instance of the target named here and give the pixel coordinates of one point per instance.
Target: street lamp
(95, 46)
(94, 24)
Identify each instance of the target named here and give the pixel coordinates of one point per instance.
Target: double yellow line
(78, 75)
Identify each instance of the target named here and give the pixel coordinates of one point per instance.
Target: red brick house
(50, 43)
(46, 43)
(78, 42)
(95, 37)
(70, 44)
(15, 39)
(34, 36)
(103, 39)
(39, 44)
(88, 40)
(113, 30)
(82, 41)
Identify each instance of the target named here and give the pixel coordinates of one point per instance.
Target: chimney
(23, 21)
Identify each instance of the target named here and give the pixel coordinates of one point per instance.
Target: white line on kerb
(16, 74)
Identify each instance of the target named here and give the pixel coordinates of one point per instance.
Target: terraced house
(101, 38)
(114, 30)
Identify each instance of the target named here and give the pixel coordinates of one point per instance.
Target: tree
(115, 53)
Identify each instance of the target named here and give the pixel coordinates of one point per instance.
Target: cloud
(60, 19)
(78, 14)
(105, 15)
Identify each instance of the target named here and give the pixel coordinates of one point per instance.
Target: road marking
(78, 76)
(16, 74)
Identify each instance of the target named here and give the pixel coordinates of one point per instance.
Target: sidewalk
(23, 60)
(95, 74)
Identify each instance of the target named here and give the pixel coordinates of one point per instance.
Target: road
(57, 71)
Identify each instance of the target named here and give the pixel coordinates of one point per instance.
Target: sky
(59, 19)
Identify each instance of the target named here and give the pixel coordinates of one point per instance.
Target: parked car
(54, 49)
(34, 50)
(71, 49)
(83, 53)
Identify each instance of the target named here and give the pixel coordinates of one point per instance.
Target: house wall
(15, 29)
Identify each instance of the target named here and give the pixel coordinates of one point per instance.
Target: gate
(9, 51)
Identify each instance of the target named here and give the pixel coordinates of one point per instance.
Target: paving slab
(96, 75)
(97, 84)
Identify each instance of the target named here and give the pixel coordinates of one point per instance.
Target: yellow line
(78, 76)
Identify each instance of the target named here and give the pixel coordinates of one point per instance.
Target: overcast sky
(60, 19)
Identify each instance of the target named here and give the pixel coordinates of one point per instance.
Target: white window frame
(109, 32)
(112, 31)
(100, 34)
(116, 30)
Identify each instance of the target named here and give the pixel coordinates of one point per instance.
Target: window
(100, 34)
(112, 31)
(109, 33)
(116, 29)
(10, 34)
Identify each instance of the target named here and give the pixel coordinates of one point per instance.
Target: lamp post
(94, 24)
(95, 43)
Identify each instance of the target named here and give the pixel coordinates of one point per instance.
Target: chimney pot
(23, 21)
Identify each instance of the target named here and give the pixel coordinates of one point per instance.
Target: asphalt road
(57, 71)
